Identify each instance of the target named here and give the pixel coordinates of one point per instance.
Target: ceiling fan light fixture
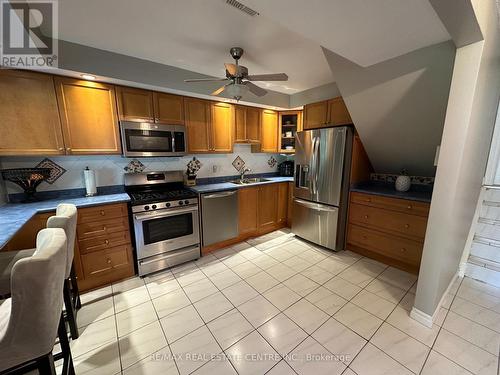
(236, 90)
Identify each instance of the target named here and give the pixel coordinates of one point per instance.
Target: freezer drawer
(219, 216)
(316, 223)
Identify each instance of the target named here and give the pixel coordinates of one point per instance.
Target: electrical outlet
(215, 168)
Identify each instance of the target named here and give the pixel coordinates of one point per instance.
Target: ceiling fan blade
(232, 69)
(205, 80)
(268, 77)
(220, 90)
(254, 89)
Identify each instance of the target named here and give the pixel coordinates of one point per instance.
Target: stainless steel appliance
(285, 168)
(165, 218)
(219, 216)
(144, 139)
(322, 169)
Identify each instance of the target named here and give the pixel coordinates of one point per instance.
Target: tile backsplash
(110, 169)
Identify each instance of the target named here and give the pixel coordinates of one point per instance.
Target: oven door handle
(171, 212)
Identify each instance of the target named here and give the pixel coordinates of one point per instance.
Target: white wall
(109, 169)
(398, 106)
(470, 117)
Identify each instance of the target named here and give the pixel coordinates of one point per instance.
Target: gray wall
(398, 106)
(470, 119)
(316, 94)
(84, 59)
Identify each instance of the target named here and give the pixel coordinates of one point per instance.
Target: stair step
(485, 220)
(482, 273)
(486, 241)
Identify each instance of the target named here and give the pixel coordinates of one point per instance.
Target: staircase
(484, 259)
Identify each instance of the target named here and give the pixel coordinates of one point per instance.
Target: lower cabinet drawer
(104, 242)
(109, 260)
(401, 249)
(102, 228)
(108, 211)
(396, 204)
(412, 226)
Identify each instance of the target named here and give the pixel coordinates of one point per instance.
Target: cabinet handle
(403, 249)
(368, 199)
(410, 207)
(407, 226)
(102, 213)
(108, 261)
(106, 242)
(68, 149)
(61, 148)
(366, 216)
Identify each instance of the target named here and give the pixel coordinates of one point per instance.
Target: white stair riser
(488, 231)
(483, 274)
(480, 250)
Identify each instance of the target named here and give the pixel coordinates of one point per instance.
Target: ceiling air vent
(242, 7)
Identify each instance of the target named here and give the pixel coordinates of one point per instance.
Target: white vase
(403, 183)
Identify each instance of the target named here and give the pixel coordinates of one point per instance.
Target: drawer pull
(366, 216)
(410, 207)
(102, 213)
(364, 237)
(106, 242)
(403, 249)
(108, 261)
(368, 199)
(407, 226)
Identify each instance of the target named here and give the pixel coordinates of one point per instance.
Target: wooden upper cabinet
(240, 124)
(197, 117)
(221, 127)
(338, 114)
(29, 118)
(248, 204)
(268, 207)
(315, 115)
(269, 131)
(135, 104)
(168, 109)
(247, 124)
(88, 116)
(253, 124)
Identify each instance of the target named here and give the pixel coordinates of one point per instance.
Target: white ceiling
(363, 31)
(286, 37)
(195, 35)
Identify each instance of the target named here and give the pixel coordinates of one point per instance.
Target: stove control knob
(153, 206)
(181, 203)
(186, 202)
(167, 205)
(146, 208)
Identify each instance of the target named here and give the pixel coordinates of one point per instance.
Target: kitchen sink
(249, 181)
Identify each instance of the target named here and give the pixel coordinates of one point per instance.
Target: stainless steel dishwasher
(219, 216)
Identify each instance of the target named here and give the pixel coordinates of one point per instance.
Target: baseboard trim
(421, 317)
(426, 319)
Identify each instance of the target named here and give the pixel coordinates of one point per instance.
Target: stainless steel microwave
(144, 139)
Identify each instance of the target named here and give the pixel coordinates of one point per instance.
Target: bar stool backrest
(36, 301)
(66, 218)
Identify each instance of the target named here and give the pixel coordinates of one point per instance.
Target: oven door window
(167, 228)
(148, 140)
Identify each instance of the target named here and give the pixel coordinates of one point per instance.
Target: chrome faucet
(243, 171)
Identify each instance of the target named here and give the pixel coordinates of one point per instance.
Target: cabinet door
(29, 119)
(88, 115)
(338, 112)
(282, 202)
(268, 207)
(290, 204)
(269, 141)
(315, 115)
(134, 104)
(253, 124)
(240, 132)
(222, 127)
(169, 109)
(197, 112)
(248, 199)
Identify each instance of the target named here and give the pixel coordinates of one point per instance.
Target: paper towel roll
(90, 186)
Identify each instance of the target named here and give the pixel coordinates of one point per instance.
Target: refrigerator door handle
(316, 166)
(313, 167)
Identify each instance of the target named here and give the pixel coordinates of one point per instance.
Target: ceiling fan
(238, 79)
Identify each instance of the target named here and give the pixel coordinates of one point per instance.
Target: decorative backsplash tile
(56, 170)
(391, 178)
(238, 163)
(272, 162)
(135, 166)
(193, 166)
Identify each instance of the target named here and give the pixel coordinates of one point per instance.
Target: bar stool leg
(70, 310)
(74, 288)
(46, 365)
(68, 368)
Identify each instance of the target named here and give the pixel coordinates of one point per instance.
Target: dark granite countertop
(221, 186)
(421, 193)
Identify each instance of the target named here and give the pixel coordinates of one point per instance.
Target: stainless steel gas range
(165, 218)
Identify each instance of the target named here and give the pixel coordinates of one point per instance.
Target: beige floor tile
(317, 274)
(181, 322)
(301, 284)
(239, 293)
(262, 281)
(135, 317)
(400, 318)
(282, 333)
(374, 304)
(160, 362)
(230, 328)
(481, 315)
(385, 290)
(170, 302)
(373, 361)
(326, 300)
(213, 306)
(281, 296)
(438, 364)
(342, 287)
(258, 311)
(104, 360)
(306, 315)
(359, 320)
(94, 335)
(200, 289)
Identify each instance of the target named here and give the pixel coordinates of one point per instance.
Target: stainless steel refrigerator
(322, 171)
